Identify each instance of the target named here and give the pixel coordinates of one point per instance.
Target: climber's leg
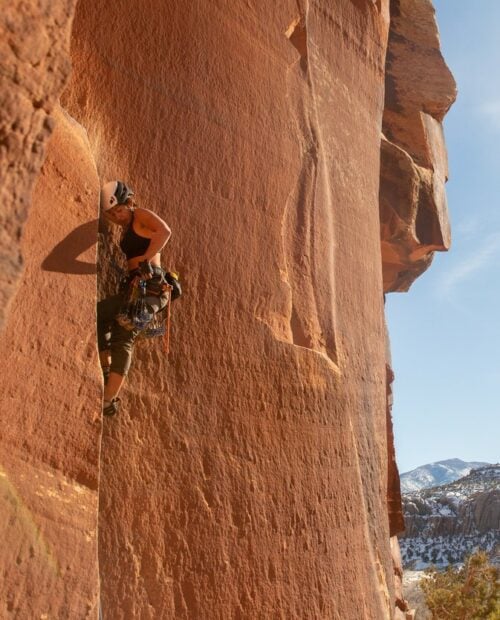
(107, 309)
(121, 346)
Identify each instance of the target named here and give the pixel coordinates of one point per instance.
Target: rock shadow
(64, 257)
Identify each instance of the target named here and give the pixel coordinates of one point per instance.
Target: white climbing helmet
(114, 193)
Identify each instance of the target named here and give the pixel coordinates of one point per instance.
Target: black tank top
(133, 244)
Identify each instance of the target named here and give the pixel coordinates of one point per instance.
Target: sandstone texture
(246, 476)
(414, 167)
(251, 473)
(394, 506)
(402, 610)
(34, 65)
(50, 435)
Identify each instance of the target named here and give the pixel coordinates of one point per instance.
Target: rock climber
(143, 237)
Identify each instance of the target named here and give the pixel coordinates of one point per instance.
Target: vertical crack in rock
(51, 385)
(311, 325)
(253, 450)
(297, 35)
(49, 401)
(394, 505)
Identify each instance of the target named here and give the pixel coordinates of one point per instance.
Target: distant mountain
(445, 523)
(435, 474)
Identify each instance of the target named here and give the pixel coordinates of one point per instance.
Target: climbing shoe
(110, 407)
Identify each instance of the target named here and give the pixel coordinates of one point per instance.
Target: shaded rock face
(247, 474)
(394, 507)
(34, 42)
(414, 168)
(49, 402)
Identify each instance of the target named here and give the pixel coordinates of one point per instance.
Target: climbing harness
(137, 314)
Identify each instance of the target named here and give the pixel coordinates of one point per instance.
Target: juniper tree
(471, 592)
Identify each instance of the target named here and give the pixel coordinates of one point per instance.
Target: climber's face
(120, 214)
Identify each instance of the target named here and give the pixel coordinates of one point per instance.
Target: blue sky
(445, 332)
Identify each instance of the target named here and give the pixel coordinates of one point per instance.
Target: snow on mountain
(447, 522)
(435, 474)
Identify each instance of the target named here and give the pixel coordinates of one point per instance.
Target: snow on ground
(448, 509)
(432, 474)
(421, 552)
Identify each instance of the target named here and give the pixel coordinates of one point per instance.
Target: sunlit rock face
(419, 91)
(246, 476)
(248, 473)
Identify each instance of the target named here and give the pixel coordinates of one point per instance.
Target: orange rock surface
(34, 63)
(50, 397)
(414, 167)
(247, 473)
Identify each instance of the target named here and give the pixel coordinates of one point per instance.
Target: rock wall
(247, 474)
(34, 66)
(419, 90)
(479, 515)
(414, 168)
(49, 402)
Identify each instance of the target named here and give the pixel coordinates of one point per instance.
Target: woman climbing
(144, 236)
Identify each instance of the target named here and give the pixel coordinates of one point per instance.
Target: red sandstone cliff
(49, 401)
(247, 475)
(414, 167)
